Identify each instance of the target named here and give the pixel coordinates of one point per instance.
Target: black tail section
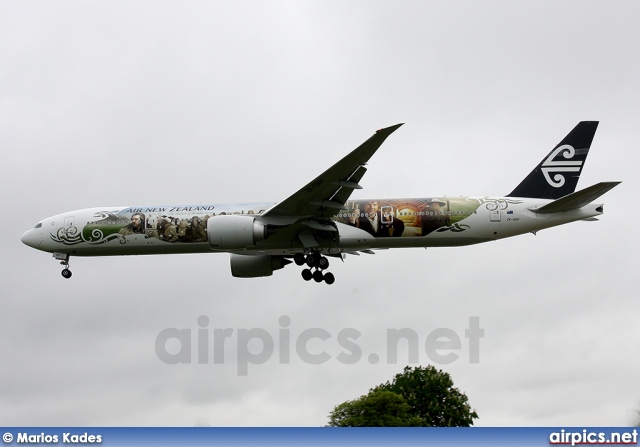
(558, 173)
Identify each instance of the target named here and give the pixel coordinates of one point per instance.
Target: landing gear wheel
(329, 278)
(307, 275)
(323, 263)
(317, 265)
(312, 259)
(66, 273)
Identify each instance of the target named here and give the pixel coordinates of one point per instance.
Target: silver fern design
(455, 228)
(502, 204)
(552, 165)
(72, 236)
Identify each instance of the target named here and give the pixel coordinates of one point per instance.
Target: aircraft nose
(31, 239)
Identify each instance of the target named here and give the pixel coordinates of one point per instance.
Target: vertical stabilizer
(558, 173)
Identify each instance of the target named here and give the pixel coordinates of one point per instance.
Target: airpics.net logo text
(313, 346)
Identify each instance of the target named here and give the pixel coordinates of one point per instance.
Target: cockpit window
(38, 225)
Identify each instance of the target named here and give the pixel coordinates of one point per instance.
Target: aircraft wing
(327, 194)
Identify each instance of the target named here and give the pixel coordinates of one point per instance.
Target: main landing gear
(319, 263)
(64, 260)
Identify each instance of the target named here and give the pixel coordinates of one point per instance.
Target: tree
(421, 396)
(379, 408)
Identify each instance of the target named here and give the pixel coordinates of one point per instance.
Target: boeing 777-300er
(321, 220)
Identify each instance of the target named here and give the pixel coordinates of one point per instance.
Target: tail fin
(557, 174)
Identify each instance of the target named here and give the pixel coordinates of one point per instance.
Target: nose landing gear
(64, 260)
(314, 261)
(66, 273)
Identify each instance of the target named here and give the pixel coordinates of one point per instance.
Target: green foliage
(432, 397)
(417, 397)
(379, 408)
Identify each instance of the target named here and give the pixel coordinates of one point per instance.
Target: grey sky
(148, 103)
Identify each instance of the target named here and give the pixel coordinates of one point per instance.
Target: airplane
(322, 221)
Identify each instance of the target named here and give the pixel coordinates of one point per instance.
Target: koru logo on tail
(551, 165)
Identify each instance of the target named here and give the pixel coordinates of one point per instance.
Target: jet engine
(248, 266)
(229, 232)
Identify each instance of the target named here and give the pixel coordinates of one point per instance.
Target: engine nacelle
(229, 232)
(248, 266)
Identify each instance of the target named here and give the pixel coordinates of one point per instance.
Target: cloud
(155, 103)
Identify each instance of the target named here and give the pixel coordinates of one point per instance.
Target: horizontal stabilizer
(577, 199)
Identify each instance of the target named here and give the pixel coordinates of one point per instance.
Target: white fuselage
(110, 231)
